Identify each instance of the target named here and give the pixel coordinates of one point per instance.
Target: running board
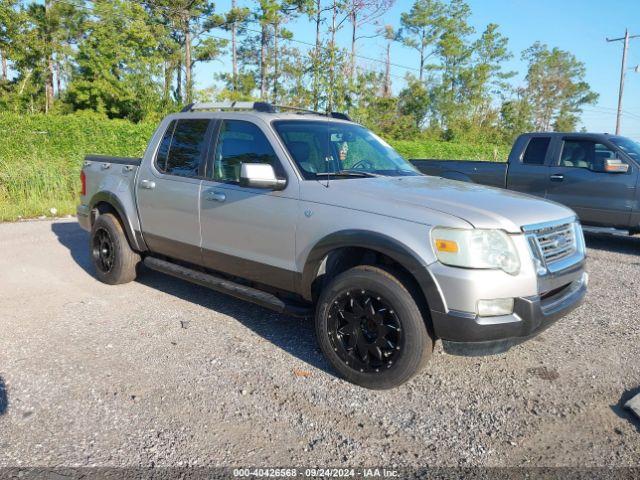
(222, 285)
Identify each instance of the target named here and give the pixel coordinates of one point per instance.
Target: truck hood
(409, 197)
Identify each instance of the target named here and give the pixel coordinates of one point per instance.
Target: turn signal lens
(475, 248)
(448, 246)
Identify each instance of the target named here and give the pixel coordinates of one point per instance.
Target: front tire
(113, 259)
(371, 329)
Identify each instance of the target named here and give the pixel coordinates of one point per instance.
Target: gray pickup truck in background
(314, 215)
(596, 175)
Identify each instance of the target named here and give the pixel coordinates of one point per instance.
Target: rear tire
(113, 259)
(371, 329)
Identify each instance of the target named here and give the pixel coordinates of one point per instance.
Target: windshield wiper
(347, 173)
(360, 172)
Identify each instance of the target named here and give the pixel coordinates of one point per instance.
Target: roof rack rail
(258, 106)
(340, 116)
(265, 107)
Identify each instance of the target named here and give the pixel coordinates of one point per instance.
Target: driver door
(248, 232)
(579, 181)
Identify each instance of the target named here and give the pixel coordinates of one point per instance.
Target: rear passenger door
(168, 189)
(529, 171)
(577, 180)
(249, 232)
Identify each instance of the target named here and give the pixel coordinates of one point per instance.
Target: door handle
(148, 184)
(216, 197)
(556, 177)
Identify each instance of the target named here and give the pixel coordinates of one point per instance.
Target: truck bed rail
(118, 160)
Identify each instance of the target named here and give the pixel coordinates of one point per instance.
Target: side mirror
(260, 175)
(615, 165)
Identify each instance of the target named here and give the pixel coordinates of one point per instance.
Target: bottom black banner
(197, 473)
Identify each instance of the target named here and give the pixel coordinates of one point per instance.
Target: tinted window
(307, 146)
(183, 148)
(536, 151)
(241, 142)
(585, 154)
(163, 148)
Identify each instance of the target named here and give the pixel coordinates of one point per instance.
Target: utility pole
(623, 70)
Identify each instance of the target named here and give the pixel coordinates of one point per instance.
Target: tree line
(135, 59)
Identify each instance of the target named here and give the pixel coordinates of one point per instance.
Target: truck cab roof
(585, 135)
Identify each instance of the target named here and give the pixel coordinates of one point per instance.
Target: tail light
(83, 181)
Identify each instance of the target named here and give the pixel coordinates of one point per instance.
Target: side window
(585, 154)
(241, 142)
(308, 144)
(163, 149)
(183, 148)
(536, 151)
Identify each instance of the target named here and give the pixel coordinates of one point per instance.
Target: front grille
(556, 242)
(553, 243)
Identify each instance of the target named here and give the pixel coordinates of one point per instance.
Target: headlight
(491, 249)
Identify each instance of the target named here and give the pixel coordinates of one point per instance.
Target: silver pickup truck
(314, 215)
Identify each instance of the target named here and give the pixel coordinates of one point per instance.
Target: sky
(578, 26)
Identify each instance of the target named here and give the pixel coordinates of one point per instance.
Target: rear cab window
(536, 151)
(183, 148)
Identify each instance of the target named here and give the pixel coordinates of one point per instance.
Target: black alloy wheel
(113, 258)
(364, 330)
(103, 250)
(370, 327)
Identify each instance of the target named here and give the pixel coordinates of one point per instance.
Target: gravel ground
(161, 372)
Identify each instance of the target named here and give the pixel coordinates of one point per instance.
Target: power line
(598, 115)
(308, 44)
(610, 111)
(224, 25)
(210, 35)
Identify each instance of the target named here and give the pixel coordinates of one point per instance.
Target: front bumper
(468, 334)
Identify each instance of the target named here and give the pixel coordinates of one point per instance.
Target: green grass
(41, 156)
(451, 151)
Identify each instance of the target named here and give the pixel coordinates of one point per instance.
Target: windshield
(343, 150)
(628, 146)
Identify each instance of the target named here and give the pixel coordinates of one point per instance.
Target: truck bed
(111, 180)
(111, 174)
(485, 173)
